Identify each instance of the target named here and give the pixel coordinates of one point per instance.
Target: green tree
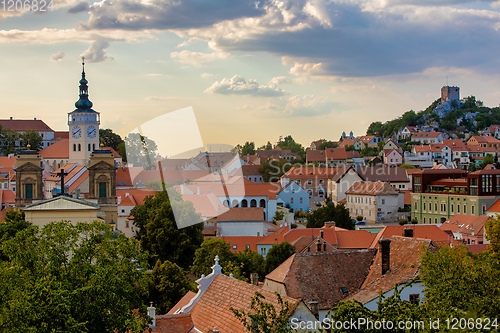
(278, 216)
(14, 222)
(327, 144)
(122, 151)
(248, 148)
(204, 256)
(32, 138)
(168, 285)
(72, 278)
(250, 262)
(109, 139)
(288, 143)
(272, 169)
(277, 254)
(140, 151)
(376, 128)
(487, 160)
(9, 140)
(330, 212)
(267, 146)
(158, 232)
(263, 317)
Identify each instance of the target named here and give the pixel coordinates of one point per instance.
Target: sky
(250, 70)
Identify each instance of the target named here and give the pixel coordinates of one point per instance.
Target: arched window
(253, 203)
(244, 203)
(263, 203)
(235, 203)
(93, 146)
(88, 147)
(226, 203)
(79, 147)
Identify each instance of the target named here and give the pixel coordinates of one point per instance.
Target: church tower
(83, 125)
(29, 185)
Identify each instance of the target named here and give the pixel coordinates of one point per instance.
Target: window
(436, 207)
(102, 189)
(247, 246)
(435, 220)
(383, 201)
(451, 206)
(301, 200)
(321, 181)
(473, 208)
(79, 147)
(234, 247)
(465, 208)
(28, 188)
(309, 182)
(126, 224)
(253, 203)
(424, 206)
(291, 200)
(88, 147)
(414, 299)
(458, 208)
(484, 209)
(424, 220)
(74, 146)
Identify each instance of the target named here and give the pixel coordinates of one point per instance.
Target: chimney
(408, 232)
(314, 307)
(254, 278)
(321, 233)
(215, 330)
(318, 246)
(152, 314)
(324, 247)
(329, 225)
(385, 253)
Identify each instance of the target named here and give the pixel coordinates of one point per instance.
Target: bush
(402, 222)
(414, 221)
(294, 225)
(359, 218)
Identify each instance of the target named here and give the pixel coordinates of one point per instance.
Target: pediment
(28, 166)
(102, 165)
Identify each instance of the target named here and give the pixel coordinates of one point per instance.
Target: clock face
(91, 131)
(77, 132)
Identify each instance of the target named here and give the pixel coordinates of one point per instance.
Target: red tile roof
(495, 207)
(485, 139)
(425, 135)
(347, 142)
(22, 125)
(7, 163)
(207, 205)
(59, 149)
(355, 239)
(320, 276)
(371, 188)
(431, 232)
(180, 323)
(405, 257)
(7, 197)
(466, 224)
(182, 302)
(213, 308)
(242, 214)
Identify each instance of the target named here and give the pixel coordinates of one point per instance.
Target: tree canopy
(159, 234)
(330, 212)
(277, 254)
(140, 150)
(109, 139)
(72, 278)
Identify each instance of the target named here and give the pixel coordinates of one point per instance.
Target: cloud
(298, 106)
(237, 85)
(57, 56)
(197, 58)
(167, 14)
(82, 6)
(97, 51)
(206, 75)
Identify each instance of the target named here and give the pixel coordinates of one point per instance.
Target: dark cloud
(79, 7)
(168, 14)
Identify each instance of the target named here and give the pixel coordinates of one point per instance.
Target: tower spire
(84, 103)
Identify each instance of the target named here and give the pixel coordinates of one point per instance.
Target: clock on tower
(83, 125)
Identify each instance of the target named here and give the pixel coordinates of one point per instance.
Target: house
(210, 308)
(312, 179)
(337, 157)
(127, 199)
(369, 141)
(484, 141)
(406, 132)
(276, 153)
(294, 197)
(441, 154)
(322, 278)
(341, 181)
(459, 151)
(392, 157)
(250, 172)
(468, 229)
(427, 137)
(397, 262)
(439, 194)
(375, 201)
(396, 177)
(350, 143)
(391, 144)
(494, 131)
(22, 125)
(243, 221)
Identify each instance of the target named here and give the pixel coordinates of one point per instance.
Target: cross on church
(61, 174)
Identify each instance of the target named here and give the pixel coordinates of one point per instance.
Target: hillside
(468, 116)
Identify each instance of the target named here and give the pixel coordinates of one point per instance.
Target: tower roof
(84, 104)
